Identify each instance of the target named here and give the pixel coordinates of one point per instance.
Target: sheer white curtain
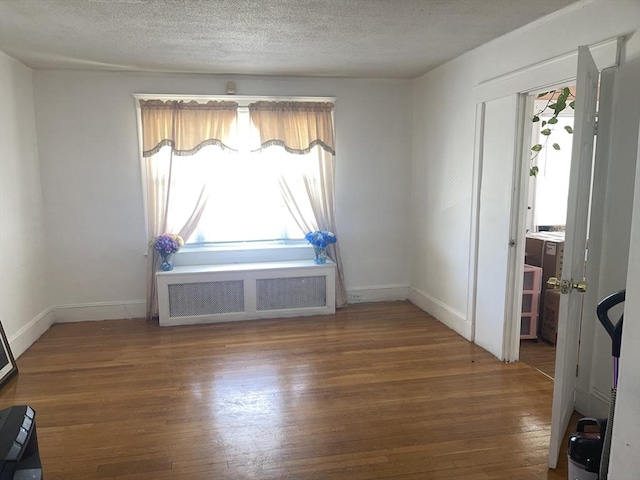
(304, 131)
(177, 190)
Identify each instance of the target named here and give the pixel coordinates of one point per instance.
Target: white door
(570, 311)
(499, 147)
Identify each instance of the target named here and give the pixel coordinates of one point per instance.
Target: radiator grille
(287, 293)
(206, 298)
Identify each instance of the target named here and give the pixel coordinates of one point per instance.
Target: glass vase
(320, 256)
(167, 262)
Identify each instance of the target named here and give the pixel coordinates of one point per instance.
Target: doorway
(550, 149)
(500, 206)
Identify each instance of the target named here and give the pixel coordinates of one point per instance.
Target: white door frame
(555, 71)
(519, 202)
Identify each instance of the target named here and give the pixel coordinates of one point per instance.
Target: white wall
(443, 135)
(24, 247)
(93, 199)
(625, 462)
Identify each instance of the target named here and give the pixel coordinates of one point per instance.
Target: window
(244, 199)
(222, 171)
(211, 175)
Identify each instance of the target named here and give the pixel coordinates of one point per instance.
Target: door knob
(566, 286)
(581, 286)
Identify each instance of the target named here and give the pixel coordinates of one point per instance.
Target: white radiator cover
(223, 293)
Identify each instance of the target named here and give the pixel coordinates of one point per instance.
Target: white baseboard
(99, 311)
(453, 319)
(593, 403)
(32, 331)
(381, 293)
(600, 402)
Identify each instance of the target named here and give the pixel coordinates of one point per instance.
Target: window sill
(229, 254)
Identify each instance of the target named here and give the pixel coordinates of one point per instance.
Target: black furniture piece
(19, 456)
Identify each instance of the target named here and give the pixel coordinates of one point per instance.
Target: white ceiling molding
(547, 74)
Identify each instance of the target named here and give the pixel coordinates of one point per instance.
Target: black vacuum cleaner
(590, 447)
(615, 332)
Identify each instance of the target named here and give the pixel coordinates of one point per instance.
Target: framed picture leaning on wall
(8, 365)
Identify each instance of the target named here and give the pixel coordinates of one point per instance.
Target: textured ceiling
(343, 38)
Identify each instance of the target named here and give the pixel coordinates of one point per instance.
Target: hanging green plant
(558, 103)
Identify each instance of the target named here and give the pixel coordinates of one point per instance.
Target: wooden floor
(540, 355)
(378, 391)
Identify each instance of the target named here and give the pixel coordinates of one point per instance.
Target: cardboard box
(543, 246)
(553, 259)
(549, 328)
(546, 250)
(533, 251)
